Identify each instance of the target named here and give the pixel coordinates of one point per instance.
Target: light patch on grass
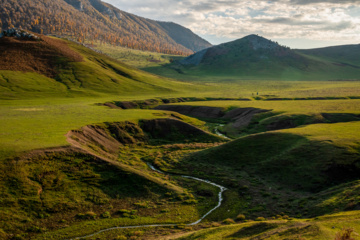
(30, 109)
(292, 106)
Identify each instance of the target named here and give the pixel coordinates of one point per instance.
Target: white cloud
(321, 20)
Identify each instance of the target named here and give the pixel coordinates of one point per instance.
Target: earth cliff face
(241, 117)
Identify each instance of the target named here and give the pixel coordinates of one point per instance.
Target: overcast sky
(294, 23)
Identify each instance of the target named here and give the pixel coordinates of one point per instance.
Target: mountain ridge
(96, 22)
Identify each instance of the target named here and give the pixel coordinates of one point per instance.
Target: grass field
(308, 170)
(293, 106)
(137, 58)
(321, 228)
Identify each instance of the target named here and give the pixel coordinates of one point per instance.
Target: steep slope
(310, 158)
(92, 20)
(55, 67)
(184, 36)
(254, 57)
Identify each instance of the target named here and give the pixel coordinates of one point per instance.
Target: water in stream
(220, 199)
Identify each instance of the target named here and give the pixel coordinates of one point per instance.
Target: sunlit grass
(293, 106)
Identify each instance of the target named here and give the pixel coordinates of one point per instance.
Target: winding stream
(220, 197)
(217, 132)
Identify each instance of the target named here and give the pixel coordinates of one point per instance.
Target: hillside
(345, 54)
(95, 22)
(254, 57)
(54, 67)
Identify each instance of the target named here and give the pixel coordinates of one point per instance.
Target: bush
(106, 215)
(260, 219)
(240, 217)
(87, 215)
(36, 229)
(121, 237)
(228, 221)
(121, 211)
(345, 234)
(138, 233)
(190, 201)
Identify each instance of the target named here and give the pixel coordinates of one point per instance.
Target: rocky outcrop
(18, 33)
(77, 4)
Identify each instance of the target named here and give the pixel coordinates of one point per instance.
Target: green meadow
(297, 180)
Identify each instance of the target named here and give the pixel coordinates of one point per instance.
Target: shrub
(142, 204)
(190, 201)
(36, 229)
(228, 221)
(260, 219)
(215, 224)
(345, 234)
(138, 233)
(240, 217)
(106, 215)
(87, 215)
(123, 211)
(121, 237)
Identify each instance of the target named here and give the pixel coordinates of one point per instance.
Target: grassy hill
(96, 22)
(309, 167)
(257, 58)
(344, 55)
(58, 67)
(71, 166)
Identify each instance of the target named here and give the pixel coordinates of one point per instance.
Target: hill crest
(255, 57)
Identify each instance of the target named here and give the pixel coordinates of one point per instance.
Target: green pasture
(322, 228)
(292, 106)
(137, 58)
(27, 125)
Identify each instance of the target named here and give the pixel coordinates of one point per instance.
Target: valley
(244, 140)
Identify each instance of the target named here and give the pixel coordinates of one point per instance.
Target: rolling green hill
(54, 67)
(254, 57)
(343, 55)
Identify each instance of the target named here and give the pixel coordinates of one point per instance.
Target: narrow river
(217, 132)
(220, 199)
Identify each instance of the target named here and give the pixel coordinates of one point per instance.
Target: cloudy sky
(294, 23)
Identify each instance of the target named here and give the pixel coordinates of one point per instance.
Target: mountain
(255, 57)
(96, 22)
(55, 67)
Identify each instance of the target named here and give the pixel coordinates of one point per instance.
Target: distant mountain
(184, 36)
(94, 21)
(255, 57)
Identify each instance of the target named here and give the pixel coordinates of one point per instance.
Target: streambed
(220, 199)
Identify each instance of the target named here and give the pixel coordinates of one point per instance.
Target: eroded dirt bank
(238, 117)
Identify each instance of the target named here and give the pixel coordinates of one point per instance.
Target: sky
(294, 23)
